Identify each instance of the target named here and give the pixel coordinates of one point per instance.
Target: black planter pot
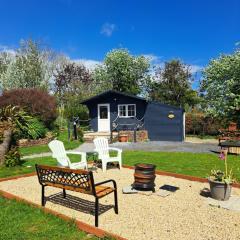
(219, 190)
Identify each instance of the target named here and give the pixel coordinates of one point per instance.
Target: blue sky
(194, 31)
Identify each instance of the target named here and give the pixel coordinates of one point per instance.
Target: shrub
(23, 124)
(198, 123)
(34, 129)
(12, 158)
(36, 102)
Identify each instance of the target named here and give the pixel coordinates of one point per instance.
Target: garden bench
(75, 180)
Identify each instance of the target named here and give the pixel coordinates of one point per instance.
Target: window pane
(131, 110)
(103, 112)
(122, 111)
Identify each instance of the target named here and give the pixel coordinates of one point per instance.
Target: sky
(194, 31)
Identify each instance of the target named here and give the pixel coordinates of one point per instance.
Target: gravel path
(182, 215)
(160, 146)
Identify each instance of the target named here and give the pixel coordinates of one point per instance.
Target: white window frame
(126, 106)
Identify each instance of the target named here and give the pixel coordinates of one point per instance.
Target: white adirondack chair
(102, 148)
(59, 152)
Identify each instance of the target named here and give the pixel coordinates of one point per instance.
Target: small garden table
(233, 146)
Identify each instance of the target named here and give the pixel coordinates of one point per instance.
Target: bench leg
(96, 211)
(115, 201)
(64, 193)
(43, 197)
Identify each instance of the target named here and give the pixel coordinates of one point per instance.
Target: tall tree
(123, 72)
(172, 85)
(32, 66)
(25, 71)
(220, 86)
(72, 84)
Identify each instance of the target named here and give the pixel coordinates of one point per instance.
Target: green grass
(193, 164)
(20, 221)
(63, 136)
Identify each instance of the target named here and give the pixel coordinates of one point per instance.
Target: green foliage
(25, 71)
(33, 129)
(73, 83)
(36, 102)
(220, 86)
(172, 85)
(23, 124)
(123, 72)
(12, 158)
(198, 123)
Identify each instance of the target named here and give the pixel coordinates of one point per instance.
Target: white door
(103, 118)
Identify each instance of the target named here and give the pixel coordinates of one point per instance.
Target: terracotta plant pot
(123, 138)
(219, 190)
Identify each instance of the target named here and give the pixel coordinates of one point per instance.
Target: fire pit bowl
(144, 177)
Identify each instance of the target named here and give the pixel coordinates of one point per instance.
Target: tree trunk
(4, 147)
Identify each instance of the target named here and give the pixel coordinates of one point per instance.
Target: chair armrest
(107, 181)
(115, 149)
(83, 155)
(78, 153)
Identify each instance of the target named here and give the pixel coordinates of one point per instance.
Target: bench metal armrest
(107, 181)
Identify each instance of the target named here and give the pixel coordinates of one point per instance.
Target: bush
(198, 123)
(34, 129)
(12, 158)
(36, 102)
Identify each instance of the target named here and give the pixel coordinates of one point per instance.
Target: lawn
(20, 221)
(63, 136)
(194, 164)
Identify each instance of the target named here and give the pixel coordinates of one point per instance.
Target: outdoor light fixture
(171, 115)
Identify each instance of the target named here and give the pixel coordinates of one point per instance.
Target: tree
(32, 66)
(123, 72)
(25, 71)
(172, 85)
(220, 86)
(72, 84)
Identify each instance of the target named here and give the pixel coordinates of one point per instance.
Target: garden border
(84, 226)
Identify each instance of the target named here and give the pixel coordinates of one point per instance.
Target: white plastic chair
(102, 148)
(59, 152)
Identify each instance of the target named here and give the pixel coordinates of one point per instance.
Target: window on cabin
(127, 110)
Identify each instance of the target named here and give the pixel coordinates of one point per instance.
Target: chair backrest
(58, 152)
(72, 179)
(101, 146)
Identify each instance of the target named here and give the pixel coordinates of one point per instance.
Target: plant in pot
(221, 181)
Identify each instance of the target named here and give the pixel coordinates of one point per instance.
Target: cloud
(88, 63)
(195, 68)
(108, 29)
(7, 49)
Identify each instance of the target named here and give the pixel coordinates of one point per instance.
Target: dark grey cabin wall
(114, 100)
(159, 126)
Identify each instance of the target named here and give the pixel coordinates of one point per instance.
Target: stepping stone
(129, 190)
(232, 204)
(163, 193)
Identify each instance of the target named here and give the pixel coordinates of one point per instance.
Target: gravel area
(160, 146)
(184, 214)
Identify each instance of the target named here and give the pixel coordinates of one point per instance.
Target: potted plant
(123, 138)
(221, 181)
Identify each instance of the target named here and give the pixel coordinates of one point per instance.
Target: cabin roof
(109, 92)
(103, 94)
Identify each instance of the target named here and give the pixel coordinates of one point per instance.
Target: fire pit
(144, 177)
